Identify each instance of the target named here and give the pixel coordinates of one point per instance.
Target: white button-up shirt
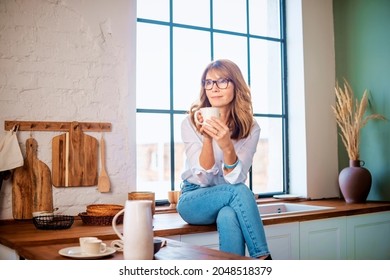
(195, 174)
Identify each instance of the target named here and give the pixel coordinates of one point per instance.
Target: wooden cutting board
(74, 159)
(31, 185)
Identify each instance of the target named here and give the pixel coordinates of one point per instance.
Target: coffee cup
(207, 113)
(143, 195)
(83, 240)
(94, 247)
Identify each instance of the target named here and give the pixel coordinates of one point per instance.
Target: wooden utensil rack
(55, 126)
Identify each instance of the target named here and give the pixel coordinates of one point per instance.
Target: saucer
(75, 253)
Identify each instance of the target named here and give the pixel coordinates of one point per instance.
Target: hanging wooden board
(31, 185)
(74, 159)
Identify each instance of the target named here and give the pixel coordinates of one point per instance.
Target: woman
(219, 155)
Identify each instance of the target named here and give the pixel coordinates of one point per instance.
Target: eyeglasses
(221, 83)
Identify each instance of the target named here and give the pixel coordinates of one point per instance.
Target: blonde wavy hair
(240, 113)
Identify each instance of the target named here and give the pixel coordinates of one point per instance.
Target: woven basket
(103, 209)
(99, 220)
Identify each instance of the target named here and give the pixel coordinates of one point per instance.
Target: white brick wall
(71, 60)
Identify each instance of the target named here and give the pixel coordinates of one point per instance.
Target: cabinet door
(173, 237)
(369, 236)
(207, 239)
(323, 239)
(283, 241)
(7, 253)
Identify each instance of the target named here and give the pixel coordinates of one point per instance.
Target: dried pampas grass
(350, 118)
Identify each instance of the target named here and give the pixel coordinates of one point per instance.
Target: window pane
(153, 154)
(236, 50)
(192, 12)
(152, 66)
(179, 151)
(267, 168)
(264, 18)
(153, 9)
(191, 56)
(230, 15)
(169, 68)
(266, 77)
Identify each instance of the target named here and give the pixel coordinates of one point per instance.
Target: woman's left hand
(219, 131)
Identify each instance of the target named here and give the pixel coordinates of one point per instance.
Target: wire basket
(53, 222)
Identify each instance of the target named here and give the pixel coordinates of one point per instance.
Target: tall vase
(355, 182)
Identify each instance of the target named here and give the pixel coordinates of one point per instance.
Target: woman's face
(220, 98)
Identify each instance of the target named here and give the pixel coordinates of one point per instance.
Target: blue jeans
(233, 208)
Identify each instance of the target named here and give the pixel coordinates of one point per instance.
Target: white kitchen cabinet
(173, 237)
(283, 241)
(7, 253)
(369, 236)
(207, 239)
(323, 239)
(364, 236)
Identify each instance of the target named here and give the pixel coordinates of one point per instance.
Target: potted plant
(355, 180)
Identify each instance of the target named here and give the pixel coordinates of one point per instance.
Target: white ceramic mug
(207, 113)
(94, 247)
(82, 241)
(137, 230)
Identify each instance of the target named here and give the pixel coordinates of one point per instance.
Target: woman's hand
(217, 130)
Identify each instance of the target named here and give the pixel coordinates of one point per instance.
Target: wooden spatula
(104, 180)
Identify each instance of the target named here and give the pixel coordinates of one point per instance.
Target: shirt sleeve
(245, 150)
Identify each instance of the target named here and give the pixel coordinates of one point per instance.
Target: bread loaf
(103, 209)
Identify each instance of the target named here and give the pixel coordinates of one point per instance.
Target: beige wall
(311, 80)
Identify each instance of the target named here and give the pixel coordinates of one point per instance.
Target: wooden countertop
(21, 234)
(339, 208)
(174, 250)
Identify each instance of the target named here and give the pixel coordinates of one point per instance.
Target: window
(176, 39)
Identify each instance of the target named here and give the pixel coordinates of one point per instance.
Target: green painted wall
(362, 46)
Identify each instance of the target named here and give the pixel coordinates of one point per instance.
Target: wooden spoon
(103, 181)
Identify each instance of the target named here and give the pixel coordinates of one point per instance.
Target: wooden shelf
(55, 126)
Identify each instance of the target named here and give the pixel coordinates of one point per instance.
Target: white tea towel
(10, 154)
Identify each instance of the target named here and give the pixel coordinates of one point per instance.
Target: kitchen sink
(288, 208)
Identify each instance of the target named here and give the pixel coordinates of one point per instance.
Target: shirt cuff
(204, 176)
(233, 176)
